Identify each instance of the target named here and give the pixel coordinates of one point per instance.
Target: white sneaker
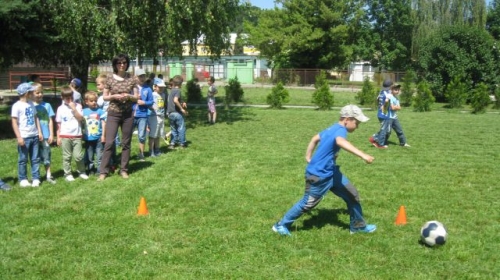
(69, 178)
(24, 183)
(36, 183)
(84, 176)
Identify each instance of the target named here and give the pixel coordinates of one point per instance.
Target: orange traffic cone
(401, 218)
(143, 209)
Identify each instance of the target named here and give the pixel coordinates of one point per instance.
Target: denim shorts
(44, 152)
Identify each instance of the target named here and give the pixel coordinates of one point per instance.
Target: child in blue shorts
(45, 115)
(323, 174)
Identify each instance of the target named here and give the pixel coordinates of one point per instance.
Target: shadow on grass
(322, 217)
(198, 116)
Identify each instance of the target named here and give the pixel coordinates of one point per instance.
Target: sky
(263, 4)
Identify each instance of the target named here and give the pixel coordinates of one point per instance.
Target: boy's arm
(15, 127)
(39, 128)
(51, 130)
(103, 125)
(58, 134)
(76, 112)
(179, 105)
(346, 145)
(310, 148)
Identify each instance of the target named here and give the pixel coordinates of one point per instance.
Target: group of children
(80, 131)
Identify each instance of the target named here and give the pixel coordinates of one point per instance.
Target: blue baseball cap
(23, 88)
(77, 82)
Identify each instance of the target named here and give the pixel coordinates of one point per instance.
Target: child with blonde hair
(93, 136)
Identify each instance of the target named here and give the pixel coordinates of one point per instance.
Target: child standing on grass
(26, 126)
(141, 110)
(212, 91)
(69, 117)
(45, 115)
(93, 136)
(157, 117)
(323, 174)
(394, 107)
(378, 140)
(176, 110)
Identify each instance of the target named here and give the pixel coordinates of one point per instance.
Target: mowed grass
(212, 206)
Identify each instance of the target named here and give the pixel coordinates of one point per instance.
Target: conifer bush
(193, 91)
(368, 94)
(278, 96)
(456, 93)
(234, 92)
(322, 97)
(480, 98)
(424, 98)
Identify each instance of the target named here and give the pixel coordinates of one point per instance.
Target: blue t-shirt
(45, 113)
(141, 111)
(393, 101)
(323, 162)
(93, 126)
(382, 111)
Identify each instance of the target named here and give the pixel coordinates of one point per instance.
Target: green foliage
(456, 93)
(496, 104)
(368, 94)
(322, 97)
(407, 88)
(480, 98)
(424, 98)
(278, 96)
(234, 91)
(193, 91)
(308, 34)
(461, 51)
(94, 73)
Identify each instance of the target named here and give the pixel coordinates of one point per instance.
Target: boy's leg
(396, 125)
(182, 131)
(142, 124)
(34, 158)
(67, 152)
(315, 189)
(22, 162)
(88, 155)
(98, 154)
(173, 117)
(380, 137)
(78, 155)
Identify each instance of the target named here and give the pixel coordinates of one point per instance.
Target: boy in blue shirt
(379, 139)
(94, 138)
(323, 174)
(141, 110)
(45, 115)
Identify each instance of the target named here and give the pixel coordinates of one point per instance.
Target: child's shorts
(44, 152)
(156, 126)
(211, 106)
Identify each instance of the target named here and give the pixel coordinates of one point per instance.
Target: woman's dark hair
(119, 58)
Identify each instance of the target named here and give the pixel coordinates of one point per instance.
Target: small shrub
(368, 94)
(278, 96)
(424, 98)
(456, 93)
(193, 91)
(94, 73)
(234, 92)
(322, 96)
(496, 103)
(480, 98)
(407, 89)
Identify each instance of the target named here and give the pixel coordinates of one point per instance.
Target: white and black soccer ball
(433, 233)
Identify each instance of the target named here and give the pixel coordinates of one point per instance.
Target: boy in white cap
(323, 174)
(26, 126)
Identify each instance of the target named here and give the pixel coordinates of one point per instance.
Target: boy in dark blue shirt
(323, 174)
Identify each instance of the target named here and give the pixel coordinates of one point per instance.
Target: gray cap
(353, 111)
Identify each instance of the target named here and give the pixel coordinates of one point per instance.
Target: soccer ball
(433, 233)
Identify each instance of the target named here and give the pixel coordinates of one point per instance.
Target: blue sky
(263, 4)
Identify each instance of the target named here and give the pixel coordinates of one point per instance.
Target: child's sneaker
(405, 145)
(365, 229)
(69, 178)
(36, 183)
(51, 180)
(282, 230)
(24, 183)
(84, 176)
(141, 157)
(5, 187)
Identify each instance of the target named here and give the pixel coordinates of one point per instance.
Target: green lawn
(212, 206)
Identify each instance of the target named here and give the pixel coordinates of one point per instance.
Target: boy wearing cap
(378, 140)
(394, 107)
(322, 174)
(157, 117)
(141, 110)
(26, 126)
(75, 85)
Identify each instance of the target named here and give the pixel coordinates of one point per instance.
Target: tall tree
(493, 19)
(307, 33)
(392, 25)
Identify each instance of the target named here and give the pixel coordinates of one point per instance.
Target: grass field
(212, 205)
